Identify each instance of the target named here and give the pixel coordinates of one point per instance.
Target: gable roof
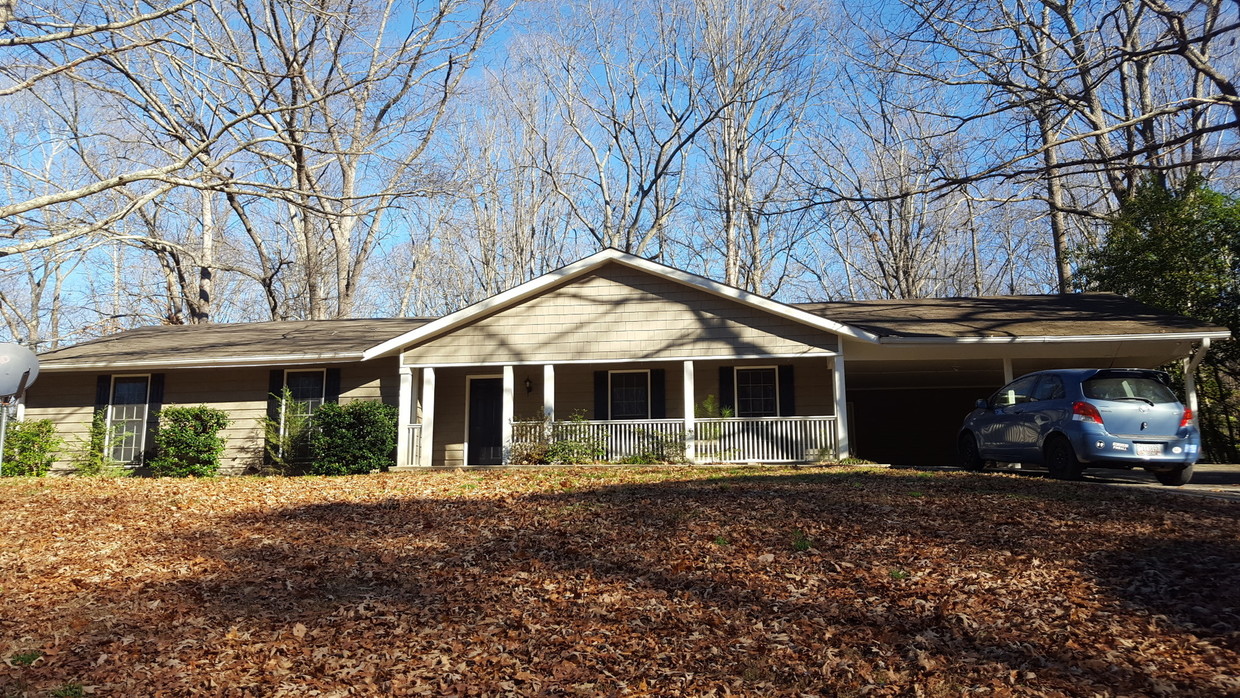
(589, 264)
(997, 319)
(1059, 317)
(238, 344)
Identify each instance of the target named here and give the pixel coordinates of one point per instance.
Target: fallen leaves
(616, 582)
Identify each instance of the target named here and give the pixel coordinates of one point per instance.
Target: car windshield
(1127, 387)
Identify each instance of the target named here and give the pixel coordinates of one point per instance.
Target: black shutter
(103, 392)
(154, 403)
(602, 400)
(275, 388)
(331, 386)
(727, 389)
(787, 392)
(658, 393)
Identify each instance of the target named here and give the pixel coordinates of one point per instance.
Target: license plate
(1149, 449)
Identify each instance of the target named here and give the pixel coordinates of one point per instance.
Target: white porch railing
(615, 439)
(737, 439)
(765, 439)
(414, 453)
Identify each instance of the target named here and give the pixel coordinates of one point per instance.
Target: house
(626, 351)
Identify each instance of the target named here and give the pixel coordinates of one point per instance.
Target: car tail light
(1085, 412)
(1187, 418)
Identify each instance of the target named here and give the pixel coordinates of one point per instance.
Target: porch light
(529, 385)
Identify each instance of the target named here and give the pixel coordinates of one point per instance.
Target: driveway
(1222, 481)
(1219, 481)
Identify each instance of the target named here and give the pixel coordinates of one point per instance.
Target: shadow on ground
(832, 581)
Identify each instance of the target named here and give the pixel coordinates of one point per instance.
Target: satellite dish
(18, 369)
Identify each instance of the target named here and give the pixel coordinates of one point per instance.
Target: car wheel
(1177, 477)
(1061, 461)
(970, 456)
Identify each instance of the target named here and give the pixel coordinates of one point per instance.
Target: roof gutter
(1054, 339)
(239, 362)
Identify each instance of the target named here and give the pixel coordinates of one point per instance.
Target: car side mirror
(981, 404)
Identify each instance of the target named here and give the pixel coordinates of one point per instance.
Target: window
(1049, 388)
(127, 417)
(1115, 385)
(757, 392)
(307, 392)
(1014, 393)
(630, 394)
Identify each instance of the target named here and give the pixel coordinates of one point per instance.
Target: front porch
(712, 411)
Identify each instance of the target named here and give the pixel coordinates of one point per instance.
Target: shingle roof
(267, 342)
(314, 341)
(1066, 315)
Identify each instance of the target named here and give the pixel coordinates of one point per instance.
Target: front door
(485, 445)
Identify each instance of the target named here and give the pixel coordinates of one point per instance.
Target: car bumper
(1101, 447)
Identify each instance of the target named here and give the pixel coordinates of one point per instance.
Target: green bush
(288, 436)
(188, 443)
(574, 442)
(352, 439)
(91, 457)
(30, 447)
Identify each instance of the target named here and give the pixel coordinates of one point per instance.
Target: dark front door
(486, 445)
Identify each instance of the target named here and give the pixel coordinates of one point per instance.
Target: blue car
(1071, 419)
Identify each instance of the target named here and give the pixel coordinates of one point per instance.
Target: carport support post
(404, 409)
(841, 404)
(505, 417)
(690, 417)
(1007, 371)
(1190, 375)
(428, 415)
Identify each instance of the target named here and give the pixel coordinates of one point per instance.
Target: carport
(908, 393)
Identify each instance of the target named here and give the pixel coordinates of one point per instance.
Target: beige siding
(618, 313)
(574, 394)
(68, 400)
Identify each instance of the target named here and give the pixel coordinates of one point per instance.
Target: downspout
(1190, 373)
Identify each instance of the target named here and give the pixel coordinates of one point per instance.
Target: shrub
(288, 436)
(91, 457)
(655, 448)
(352, 439)
(188, 443)
(30, 447)
(574, 443)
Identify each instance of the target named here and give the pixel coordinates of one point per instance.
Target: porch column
(549, 392)
(404, 411)
(1007, 371)
(841, 404)
(428, 415)
(690, 417)
(505, 417)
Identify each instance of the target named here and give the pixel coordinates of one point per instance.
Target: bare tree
(764, 64)
(630, 88)
(1104, 92)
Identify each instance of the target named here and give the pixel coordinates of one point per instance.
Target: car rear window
(1106, 386)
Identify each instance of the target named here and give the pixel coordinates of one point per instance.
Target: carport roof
(1095, 315)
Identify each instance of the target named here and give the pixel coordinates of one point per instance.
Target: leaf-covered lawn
(592, 582)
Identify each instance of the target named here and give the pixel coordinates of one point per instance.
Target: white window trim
(322, 395)
(736, 389)
(146, 414)
(649, 397)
